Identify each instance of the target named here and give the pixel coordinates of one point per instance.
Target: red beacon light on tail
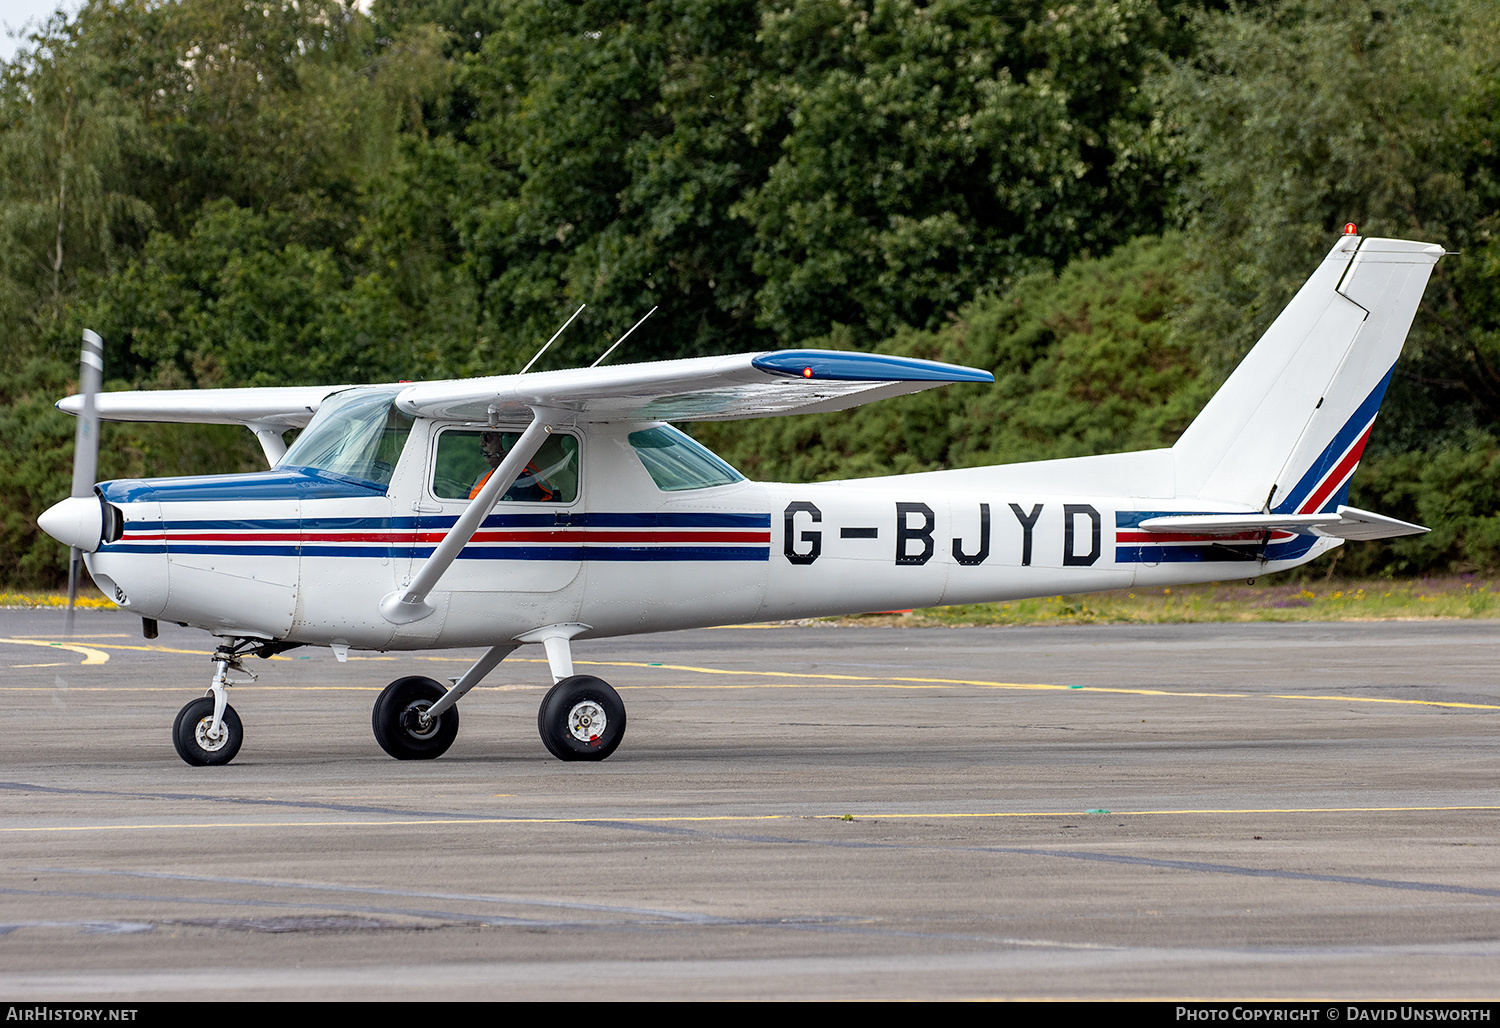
(1350, 229)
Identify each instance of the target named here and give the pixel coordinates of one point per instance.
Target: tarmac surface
(1169, 812)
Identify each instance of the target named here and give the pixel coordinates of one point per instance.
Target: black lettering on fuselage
(1028, 522)
(984, 540)
(1071, 558)
(813, 539)
(905, 533)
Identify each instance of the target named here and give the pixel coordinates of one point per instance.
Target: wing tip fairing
(847, 366)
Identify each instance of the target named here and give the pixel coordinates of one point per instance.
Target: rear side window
(466, 457)
(676, 462)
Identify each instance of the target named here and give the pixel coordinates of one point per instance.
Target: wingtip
(853, 366)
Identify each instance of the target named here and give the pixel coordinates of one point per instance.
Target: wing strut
(271, 443)
(409, 604)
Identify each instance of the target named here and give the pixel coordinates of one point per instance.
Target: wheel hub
(416, 723)
(207, 742)
(586, 721)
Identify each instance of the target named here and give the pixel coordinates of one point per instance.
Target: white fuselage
(305, 557)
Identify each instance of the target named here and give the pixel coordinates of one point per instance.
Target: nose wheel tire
(399, 726)
(582, 718)
(196, 742)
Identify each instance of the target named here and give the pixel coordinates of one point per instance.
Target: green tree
(928, 152)
(766, 171)
(190, 178)
(1084, 362)
(67, 200)
(1300, 117)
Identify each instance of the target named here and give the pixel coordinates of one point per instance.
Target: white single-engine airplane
(547, 507)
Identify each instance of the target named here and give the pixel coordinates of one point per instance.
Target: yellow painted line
(1150, 813)
(723, 818)
(423, 822)
(1383, 699)
(762, 624)
(40, 641)
(90, 655)
(937, 682)
(795, 679)
(242, 686)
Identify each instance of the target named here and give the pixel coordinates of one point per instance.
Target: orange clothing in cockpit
(542, 492)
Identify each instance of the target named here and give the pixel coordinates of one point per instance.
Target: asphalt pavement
(1160, 811)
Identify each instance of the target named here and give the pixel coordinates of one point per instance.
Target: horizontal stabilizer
(1347, 523)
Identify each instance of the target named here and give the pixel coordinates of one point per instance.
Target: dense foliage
(1104, 201)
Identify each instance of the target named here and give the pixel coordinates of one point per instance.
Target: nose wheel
(207, 732)
(581, 718)
(198, 742)
(402, 725)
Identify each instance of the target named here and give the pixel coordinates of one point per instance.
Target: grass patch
(1374, 599)
(90, 600)
(1456, 596)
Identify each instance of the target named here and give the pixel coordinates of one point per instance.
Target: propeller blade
(85, 449)
(86, 435)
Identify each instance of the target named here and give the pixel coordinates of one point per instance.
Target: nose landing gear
(207, 732)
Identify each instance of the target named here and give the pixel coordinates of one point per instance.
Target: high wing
(277, 406)
(1346, 523)
(749, 385)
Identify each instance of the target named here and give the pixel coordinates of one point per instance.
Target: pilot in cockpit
(530, 486)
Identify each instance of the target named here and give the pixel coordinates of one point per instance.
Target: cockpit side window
(676, 462)
(358, 433)
(467, 457)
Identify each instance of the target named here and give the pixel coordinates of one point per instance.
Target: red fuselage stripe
(407, 538)
(1344, 469)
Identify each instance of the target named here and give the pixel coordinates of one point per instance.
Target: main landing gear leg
(207, 731)
(416, 718)
(582, 717)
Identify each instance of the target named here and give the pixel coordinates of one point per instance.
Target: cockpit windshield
(676, 462)
(358, 433)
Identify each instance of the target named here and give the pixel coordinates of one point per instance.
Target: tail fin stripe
(1345, 449)
(1338, 476)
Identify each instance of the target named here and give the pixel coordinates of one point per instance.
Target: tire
(570, 713)
(395, 723)
(190, 734)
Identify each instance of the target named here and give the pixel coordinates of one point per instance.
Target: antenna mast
(553, 339)
(624, 337)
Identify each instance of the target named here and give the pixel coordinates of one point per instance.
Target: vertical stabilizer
(1286, 430)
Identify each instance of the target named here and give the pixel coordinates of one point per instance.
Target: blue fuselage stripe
(558, 553)
(1335, 449)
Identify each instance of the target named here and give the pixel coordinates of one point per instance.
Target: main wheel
(398, 724)
(582, 718)
(192, 737)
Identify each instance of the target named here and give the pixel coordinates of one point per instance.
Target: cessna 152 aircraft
(547, 507)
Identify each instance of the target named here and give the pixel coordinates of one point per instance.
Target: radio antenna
(553, 339)
(624, 337)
